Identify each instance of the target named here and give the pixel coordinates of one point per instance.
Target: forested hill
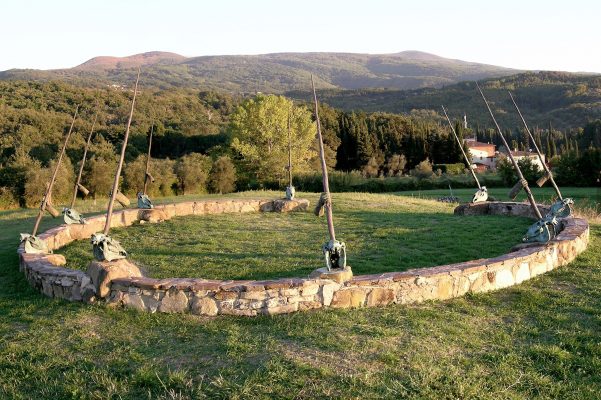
(565, 100)
(271, 73)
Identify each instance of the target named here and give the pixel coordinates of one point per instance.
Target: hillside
(566, 100)
(274, 73)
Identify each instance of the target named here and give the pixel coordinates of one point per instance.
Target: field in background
(540, 339)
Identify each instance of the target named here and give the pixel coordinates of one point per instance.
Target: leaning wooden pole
(45, 201)
(523, 182)
(540, 156)
(147, 173)
(324, 169)
(109, 212)
(83, 162)
(467, 160)
(289, 153)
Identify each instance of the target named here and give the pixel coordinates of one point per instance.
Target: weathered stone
(281, 309)
(103, 272)
(285, 205)
(152, 215)
(327, 292)
(133, 301)
(503, 278)
(151, 302)
(204, 306)
(380, 297)
(346, 298)
(337, 275)
(174, 301)
(522, 273)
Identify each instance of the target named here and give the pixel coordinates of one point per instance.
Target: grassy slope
(540, 339)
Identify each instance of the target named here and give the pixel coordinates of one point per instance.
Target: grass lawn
(384, 233)
(541, 339)
(584, 197)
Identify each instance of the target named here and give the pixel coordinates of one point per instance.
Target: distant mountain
(273, 73)
(566, 100)
(138, 60)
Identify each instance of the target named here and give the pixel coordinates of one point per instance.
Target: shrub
(222, 178)
(37, 180)
(99, 176)
(161, 170)
(192, 171)
(422, 170)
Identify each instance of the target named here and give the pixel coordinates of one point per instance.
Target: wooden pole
(540, 156)
(513, 161)
(467, 160)
(53, 178)
(109, 212)
(324, 169)
(83, 162)
(289, 152)
(148, 160)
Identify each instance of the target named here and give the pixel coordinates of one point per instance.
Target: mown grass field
(541, 339)
(383, 232)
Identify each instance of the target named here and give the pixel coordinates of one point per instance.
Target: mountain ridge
(273, 72)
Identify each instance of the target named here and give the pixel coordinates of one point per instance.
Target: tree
(259, 129)
(192, 171)
(370, 170)
(222, 178)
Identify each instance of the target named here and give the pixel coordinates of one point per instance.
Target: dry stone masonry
(122, 284)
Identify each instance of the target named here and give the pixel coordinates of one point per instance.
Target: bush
(422, 170)
(7, 199)
(192, 171)
(222, 178)
(450, 169)
(530, 170)
(161, 170)
(99, 176)
(37, 181)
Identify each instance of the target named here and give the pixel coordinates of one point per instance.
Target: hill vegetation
(565, 100)
(271, 73)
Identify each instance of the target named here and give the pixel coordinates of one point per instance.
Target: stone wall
(249, 298)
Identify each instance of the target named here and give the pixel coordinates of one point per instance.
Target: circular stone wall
(120, 283)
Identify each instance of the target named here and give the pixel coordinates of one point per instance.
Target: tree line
(247, 135)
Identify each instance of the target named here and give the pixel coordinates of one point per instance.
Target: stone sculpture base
(336, 274)
(285, 205)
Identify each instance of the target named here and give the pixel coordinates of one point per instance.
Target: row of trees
(193, 130)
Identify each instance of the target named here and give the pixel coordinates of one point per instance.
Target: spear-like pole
(53, 178)
(83, 162)
(289, 153)
(467, 160)
(147, 174)
(523, 181)
(324, 169)
(109, 212)
(540, 156)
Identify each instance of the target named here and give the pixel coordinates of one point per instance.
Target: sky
(541, 35)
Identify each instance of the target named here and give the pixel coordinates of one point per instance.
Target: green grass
(541, 339)
(584, 197)
(384, 233)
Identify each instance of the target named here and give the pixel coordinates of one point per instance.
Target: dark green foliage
(541, 96)
(583, 170)
(222, 178)
(530, 170)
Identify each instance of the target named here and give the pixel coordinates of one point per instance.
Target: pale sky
(547, 35)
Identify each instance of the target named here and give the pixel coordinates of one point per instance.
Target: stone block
(284, 205)
(103, 272)
(337, 275)
(174, 301)
(380, 297)
(281, 309)
(204, 306)
(348, 298)
(327, 292)
(153, 215)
